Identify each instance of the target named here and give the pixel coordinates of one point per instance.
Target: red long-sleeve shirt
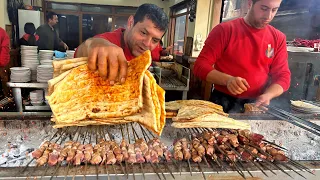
(240, 50)
(4, 48)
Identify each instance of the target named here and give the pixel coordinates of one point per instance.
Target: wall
(174, 2)
(294, 25)
(202, 21)
(4, 19)
(160, 3)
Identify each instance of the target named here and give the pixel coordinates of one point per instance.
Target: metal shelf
(37, 108)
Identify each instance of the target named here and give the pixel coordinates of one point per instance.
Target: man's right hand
(237, 85)
(108, 59)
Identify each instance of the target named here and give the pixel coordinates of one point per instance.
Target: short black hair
(154, 13)
(29, 28)
(254, 1)
(50, 15)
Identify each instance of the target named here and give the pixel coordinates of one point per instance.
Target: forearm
(274, 90)
(61, 43)
(217, 77)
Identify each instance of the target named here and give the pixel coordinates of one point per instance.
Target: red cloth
(4, 48)
(26, 37)
(156, 53)
(238, 49)
(115, 38)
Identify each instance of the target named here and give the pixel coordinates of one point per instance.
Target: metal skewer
(157, 165)
(126, 164)
(275, 145)
(136, 136)
(236, 167)
(257, 157)
(204, 176)
(288, 167)
(296, 164)
(86, 163)
(190, 139)
(27, 165)
(59, 164)
(112, 138)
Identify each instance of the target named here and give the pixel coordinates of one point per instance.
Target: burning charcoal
(5, 154)
(19, 139)
(14, 152)
(3, 160)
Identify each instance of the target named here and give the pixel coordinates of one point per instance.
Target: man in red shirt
(246, 59)
(108, 52)
(4, 48)
(4, 60)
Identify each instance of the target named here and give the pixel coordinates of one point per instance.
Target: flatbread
(176, 105)
(191, 112)
(60, 63)
(211, 121)
(305, 105)
(152, 115)
(161, 95)
(83, 94)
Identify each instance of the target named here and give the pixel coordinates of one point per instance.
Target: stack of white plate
(45, 57)
(20, 74)
(29, 59)
(45, 96)
(36, 97)
(44, 73)
(305, 107)
(70, 54)
(46, 62)
(59, 59)
(45, 54)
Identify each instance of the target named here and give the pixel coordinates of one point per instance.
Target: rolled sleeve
(4, 49)
(279, 70)
(211, 52)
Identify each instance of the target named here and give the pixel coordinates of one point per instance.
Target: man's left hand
(263, 99)
(65, 46)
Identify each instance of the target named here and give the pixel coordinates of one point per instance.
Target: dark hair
(50, 15)
(254, 1)
(30, 29)
(154, 13)
(161, 42)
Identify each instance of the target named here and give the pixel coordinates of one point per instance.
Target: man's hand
(65, 46)
(237, 85)
(108, 59)
(169, 48)
(263, 99)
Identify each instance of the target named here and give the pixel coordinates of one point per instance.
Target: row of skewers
(235, 147)
(108, 152)
(208, 146)
(217, 143)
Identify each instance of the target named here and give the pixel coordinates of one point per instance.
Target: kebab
(182, 151)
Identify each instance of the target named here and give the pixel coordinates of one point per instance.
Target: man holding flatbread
(109, 52)
(246, 59)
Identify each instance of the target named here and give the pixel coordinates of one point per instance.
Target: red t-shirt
(156, 53)
(115, 38)
(238, 49)
(4, 48)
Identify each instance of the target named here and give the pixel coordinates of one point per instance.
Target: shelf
(37, 108)
(27, 85)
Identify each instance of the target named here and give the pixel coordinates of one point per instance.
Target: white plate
(19, 69)
(299, 49)
(36, 103)
(29, 47)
